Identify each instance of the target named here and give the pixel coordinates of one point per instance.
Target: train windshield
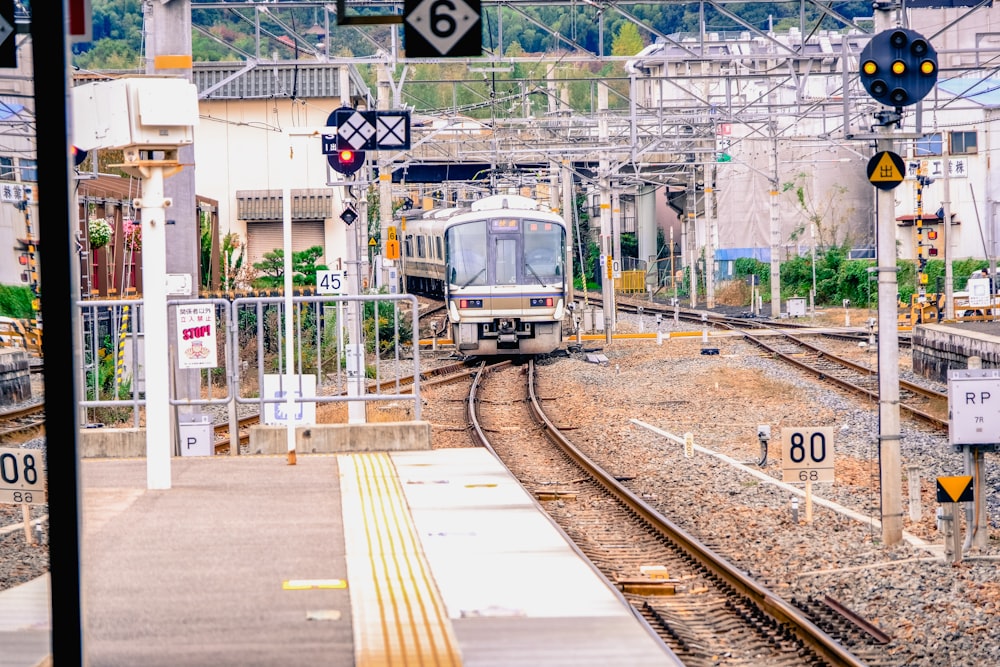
(543, 252)
(465, 247)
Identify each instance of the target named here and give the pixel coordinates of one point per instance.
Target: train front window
(465, 250)
(543, 252)
(506, 267)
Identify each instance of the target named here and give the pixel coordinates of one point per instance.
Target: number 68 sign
(807, 454)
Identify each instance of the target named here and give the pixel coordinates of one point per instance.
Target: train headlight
(470, 303)
(541, 302)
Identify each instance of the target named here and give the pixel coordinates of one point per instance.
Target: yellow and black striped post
(120, 360)
(922, 278)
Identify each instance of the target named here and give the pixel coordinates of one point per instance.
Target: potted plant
(99, 233)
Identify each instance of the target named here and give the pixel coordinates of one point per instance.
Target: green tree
(304, 267)
(627, 41)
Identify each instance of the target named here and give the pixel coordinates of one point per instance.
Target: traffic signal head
(347, 160)
(898, 67)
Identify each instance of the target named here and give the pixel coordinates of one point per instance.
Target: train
(500, 265)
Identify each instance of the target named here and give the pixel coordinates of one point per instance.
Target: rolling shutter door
(263, 237)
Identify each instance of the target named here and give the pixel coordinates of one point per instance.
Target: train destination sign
(886, 170)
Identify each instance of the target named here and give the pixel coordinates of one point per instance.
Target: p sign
(807, 454)
(331, 282)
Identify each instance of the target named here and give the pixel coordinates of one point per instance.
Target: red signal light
(347, 160)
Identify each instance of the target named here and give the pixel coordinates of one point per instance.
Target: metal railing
(248, 333)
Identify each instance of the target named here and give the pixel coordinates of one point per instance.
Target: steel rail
(811, 635)
(845, 384)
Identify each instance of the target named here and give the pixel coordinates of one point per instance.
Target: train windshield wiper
(474, 278)
(530, 268)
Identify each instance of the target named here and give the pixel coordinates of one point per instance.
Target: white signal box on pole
(974, 404)
(135, 111)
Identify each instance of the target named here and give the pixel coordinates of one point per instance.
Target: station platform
(432, 557)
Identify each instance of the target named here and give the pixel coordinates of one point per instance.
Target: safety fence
(222, 352)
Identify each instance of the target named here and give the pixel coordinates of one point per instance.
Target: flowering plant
(133, 235)
(99, 232)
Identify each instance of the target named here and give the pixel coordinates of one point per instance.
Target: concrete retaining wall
(938, 348)
(321, 438)
(112, 443)
(15, 377)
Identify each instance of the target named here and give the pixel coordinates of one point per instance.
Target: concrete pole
(168, 29)
(775, 232)
(289, 311)
(569, 215)
(888, 365)
(944, 241)
(355, 348)
(159, 446)
(691, 227)
(709, 244)
(384, 185)
(604, 169)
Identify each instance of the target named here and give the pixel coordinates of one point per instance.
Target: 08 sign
(807, 454)
(22, 479)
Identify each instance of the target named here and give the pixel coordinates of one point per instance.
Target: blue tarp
(730, 254)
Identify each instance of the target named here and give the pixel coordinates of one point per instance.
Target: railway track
(21, 424)
(707, 611)
(443, 374)
(717, 320)
(923, 403)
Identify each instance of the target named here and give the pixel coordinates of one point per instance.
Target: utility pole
(604, 176)
(890, 477)
(775, 228)
(168, 38)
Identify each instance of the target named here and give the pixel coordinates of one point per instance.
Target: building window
(29, 170)
(7, 172)
(929, 145)
(963, 143)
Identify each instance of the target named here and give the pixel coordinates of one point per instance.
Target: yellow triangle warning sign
(885, 170)
(954, 489)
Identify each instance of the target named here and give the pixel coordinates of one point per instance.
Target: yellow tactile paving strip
(398, 615)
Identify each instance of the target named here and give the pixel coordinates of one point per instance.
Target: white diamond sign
(356, 130)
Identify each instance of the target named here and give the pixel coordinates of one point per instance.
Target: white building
(250, 143)
(18, 169)
(779, 112)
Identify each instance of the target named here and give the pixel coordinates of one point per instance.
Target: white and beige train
(500, 266)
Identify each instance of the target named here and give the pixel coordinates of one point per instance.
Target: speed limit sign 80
(22, 477)
(807, 454)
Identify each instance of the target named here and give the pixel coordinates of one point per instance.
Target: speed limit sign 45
(807, 454)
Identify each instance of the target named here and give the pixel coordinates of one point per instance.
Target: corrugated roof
(981, 91)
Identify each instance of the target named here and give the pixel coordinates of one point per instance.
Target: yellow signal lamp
(870, 67)
(928, 67)
(898, 67)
